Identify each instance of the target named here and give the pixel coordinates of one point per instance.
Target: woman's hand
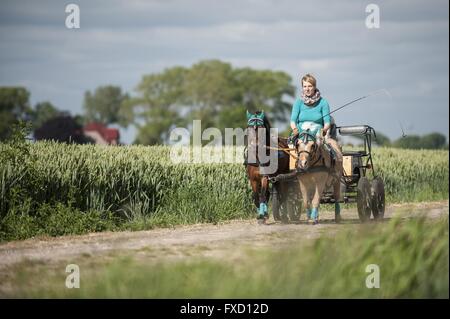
(293, 126)
(319, 140)
(326, 128)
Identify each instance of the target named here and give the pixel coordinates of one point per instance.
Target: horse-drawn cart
(356, 186)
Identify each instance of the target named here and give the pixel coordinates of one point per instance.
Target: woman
(312, 112)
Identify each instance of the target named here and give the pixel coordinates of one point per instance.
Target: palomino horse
(319, 172)
(258, 146)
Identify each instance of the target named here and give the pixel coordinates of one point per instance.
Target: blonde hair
(309, 78)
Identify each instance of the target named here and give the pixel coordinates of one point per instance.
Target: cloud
(120, 41)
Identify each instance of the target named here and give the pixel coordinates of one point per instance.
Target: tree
(43, 112)
(14, 106)
(105, 106)
(410, 141)
(160, 106)
(62, 128)
(433, 141)
(428, 141)
(265, 90)
(156, 129)
(382, 140)
(211, 91)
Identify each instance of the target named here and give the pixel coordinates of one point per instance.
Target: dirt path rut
(208, 239)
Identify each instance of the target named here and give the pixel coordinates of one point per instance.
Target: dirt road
(199, 240)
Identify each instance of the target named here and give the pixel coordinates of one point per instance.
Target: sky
(118, 42)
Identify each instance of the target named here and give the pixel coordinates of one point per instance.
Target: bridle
(255, 122)
(304, 138)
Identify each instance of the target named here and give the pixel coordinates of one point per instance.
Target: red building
(102, 134)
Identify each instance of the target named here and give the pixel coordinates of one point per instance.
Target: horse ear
(248, 115)
(261, 116)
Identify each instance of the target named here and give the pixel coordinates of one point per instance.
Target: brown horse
(319, 173)
(263, 162)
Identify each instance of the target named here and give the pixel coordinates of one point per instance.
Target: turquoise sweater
(310, 117)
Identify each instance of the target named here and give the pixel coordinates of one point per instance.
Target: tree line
(211, 91)
(426, 141)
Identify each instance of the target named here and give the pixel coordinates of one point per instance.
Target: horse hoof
(338, 219)
(262, 219)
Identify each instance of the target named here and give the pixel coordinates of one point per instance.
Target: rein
(284, 149)
(305, 139)
(257, 122)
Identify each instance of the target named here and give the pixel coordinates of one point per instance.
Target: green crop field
(56, 189)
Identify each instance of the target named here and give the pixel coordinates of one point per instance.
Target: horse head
(308, 150)
(255, 122)
(259, 141)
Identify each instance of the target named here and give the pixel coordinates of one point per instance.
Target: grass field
(58, 189)
(411, 256)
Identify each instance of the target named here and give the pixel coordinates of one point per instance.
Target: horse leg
(336, 178)
(282, 190)
(263, 198)
(337, 196)
(256, 200)
(255, 190)
(320, 186)
(315, 210)
(305, 196)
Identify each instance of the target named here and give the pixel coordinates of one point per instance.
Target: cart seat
(354, 130)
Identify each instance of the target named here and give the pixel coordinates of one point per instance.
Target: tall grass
(139, 186)
(413, 175)
(412, 257)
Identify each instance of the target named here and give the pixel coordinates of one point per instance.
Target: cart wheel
(295, 208)
(363, 199)
(294, 202)
(378, 200)
(343, 187)
(275, 203)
